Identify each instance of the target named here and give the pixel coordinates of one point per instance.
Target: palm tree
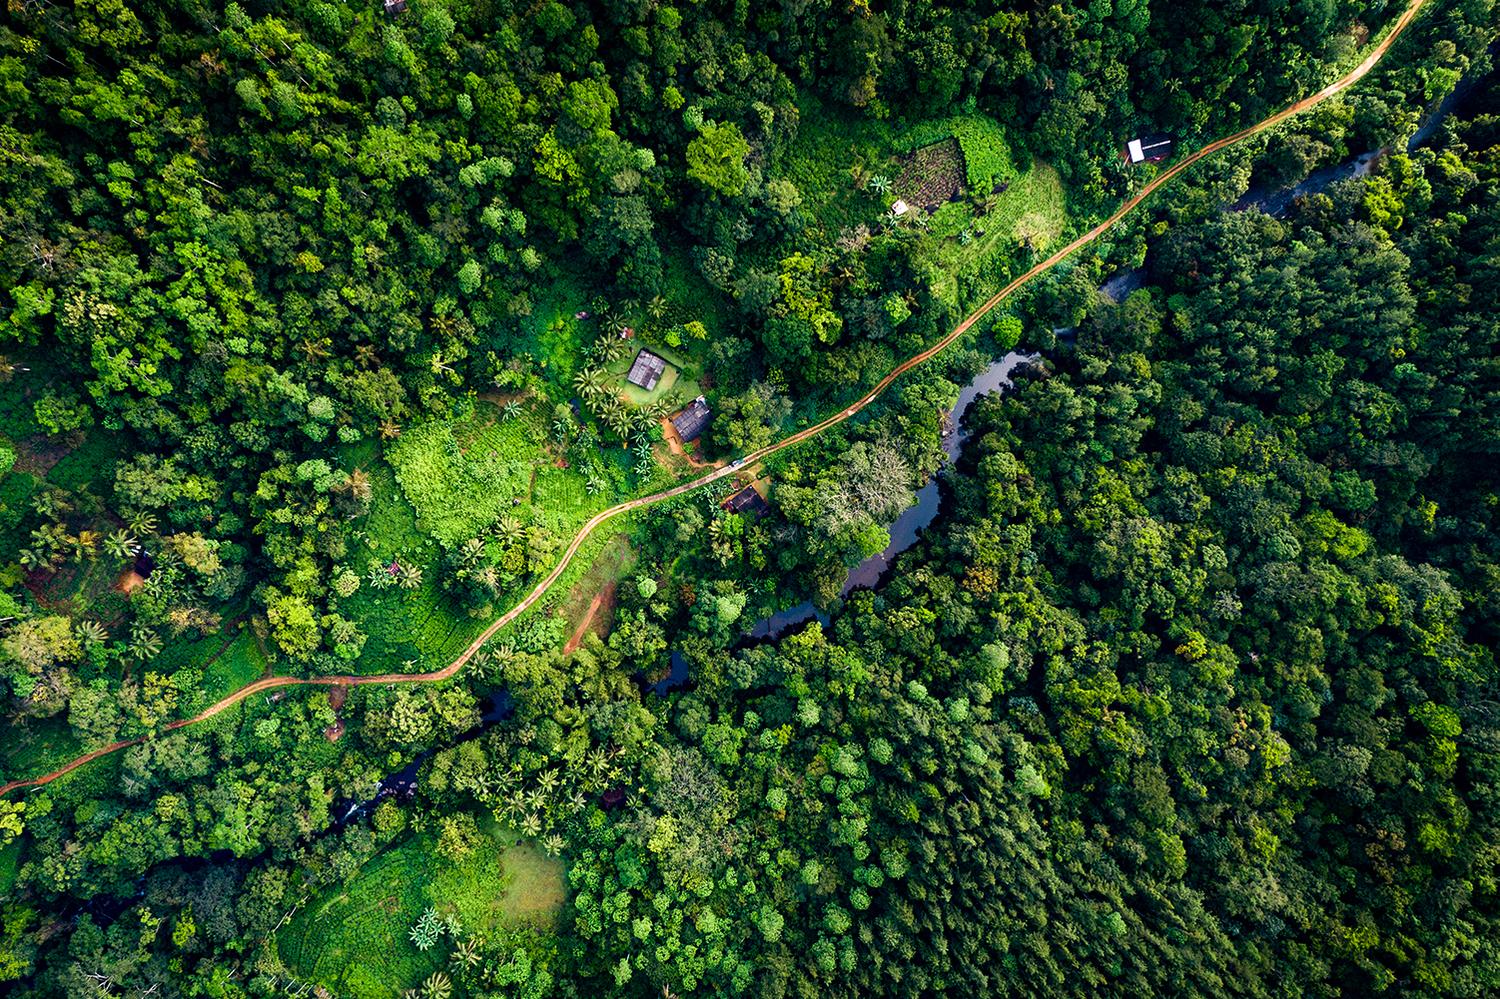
(642, 451)
(467, 953)
(657, 307)
(437, 986)
(144, 643)
(617, 416)
(358, 485)
(389, 430)
(90, 632)
(879, 184)
(531, 825)
(409, 577)
(120, 545)
(86, 544)
(143, 523)
(471, 552)
(553, 844)
(595, 484)
(511, 410)
(591, 382)
(509, 529)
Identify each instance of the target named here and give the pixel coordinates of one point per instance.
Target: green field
(459, 475)
(679, 381)
(1034, 207)
(403, 625)
(354, 940)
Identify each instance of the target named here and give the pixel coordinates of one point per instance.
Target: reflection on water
(917, 516)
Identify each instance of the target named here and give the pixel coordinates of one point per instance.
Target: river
(908, 526)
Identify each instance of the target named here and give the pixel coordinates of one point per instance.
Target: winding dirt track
(271, 683)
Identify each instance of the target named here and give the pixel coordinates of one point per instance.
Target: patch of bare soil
(37, 454)
(675, 445)
(931, 175)
(129, 582)
(604, 597)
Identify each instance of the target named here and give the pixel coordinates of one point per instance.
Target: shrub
(987, 158)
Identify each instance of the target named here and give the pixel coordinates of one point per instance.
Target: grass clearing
(459, 475)
(353, 940)
(1033, 208)
(234, 665)
(680, 380)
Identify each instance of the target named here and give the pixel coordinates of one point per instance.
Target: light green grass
(36, 746)
(830, 146)
(459, 475)
(401, 625)
(354, 939)
(680, 378)
(1035, 204)
(240, 663)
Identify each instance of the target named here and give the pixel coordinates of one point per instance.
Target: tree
(716, 158)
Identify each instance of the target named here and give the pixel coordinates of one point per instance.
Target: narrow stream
(908, 526)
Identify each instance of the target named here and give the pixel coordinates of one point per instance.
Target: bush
(987, 158)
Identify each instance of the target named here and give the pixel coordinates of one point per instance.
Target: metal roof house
(748, 501)
(647, 370)
(1148, 148)
(692, 421)
(394, 7)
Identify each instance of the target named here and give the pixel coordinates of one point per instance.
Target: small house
(647, 370)
(692, 421)
(1148, 148)
(748, 501)
(394, 7)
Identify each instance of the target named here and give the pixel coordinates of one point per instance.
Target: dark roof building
(394, 7)
(748, 501)
(692, 421)
(1148, 148)
(647, 370)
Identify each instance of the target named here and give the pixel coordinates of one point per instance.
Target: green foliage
(460, 475)
(716, 158)
(364, 935)
(987, 157)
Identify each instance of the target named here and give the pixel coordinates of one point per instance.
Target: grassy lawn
(354, 940)
(1034, 206)
(460, 475)
(37, 746)
(679, 380)
(830, 147)
(240, 662)
(402, 625)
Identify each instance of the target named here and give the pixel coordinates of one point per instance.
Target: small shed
(692, 421)
(900, 208)
(1148, 148)
(647, 370)
(394, 7)
(749, 502)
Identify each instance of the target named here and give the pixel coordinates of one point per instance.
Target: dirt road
(270, 683)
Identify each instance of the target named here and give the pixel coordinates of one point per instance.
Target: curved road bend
(270, 683)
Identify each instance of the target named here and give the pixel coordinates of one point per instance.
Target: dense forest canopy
(321, 330)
